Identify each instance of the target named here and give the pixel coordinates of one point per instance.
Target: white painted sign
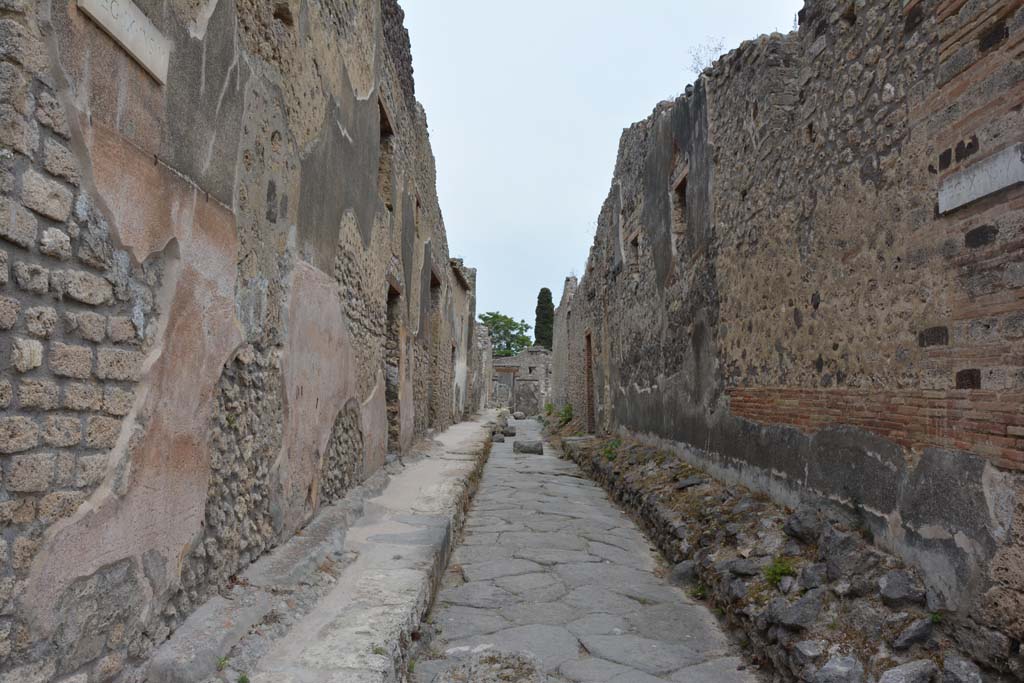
(133, 31)
(1001, 170)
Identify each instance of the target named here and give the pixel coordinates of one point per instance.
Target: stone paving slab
(550, 571)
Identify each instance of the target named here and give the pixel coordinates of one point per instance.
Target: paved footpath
(549, 566)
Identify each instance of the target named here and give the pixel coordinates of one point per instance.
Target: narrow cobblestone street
(550, 567)
(275, 274)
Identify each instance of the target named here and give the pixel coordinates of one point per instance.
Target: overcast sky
(526, 101)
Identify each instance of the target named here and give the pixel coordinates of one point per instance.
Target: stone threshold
(377, 557)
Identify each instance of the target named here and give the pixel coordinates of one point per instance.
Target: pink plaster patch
(163, 506)
(373, 419)
(319, 377)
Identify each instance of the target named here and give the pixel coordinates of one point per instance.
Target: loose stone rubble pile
(810, 595)
(501, 427)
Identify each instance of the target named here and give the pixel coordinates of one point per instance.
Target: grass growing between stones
(611, 449)
(779, 568)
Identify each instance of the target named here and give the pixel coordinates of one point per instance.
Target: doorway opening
(679, 207)
(437, 372)
(385, 167)
(393, 370)
(588, 358)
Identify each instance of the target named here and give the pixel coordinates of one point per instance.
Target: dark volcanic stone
(959, 670)
(690, 482)
(899, 589)
(845, 554)
(920, 671)
(804, 525)
(535, 446)
(840, 670)
(808, 651)
(683, 573)
(918, 632)
(803, 613)
(979, 237)
(752, 567)
(792, 548)
(813, 576)
(737, 589)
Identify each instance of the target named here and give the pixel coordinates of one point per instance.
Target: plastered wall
(194, 288)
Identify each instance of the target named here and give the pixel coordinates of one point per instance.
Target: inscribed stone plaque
(1001, 170)
(133, 31)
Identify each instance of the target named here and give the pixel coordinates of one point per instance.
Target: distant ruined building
(225, 295)
(808, 277)
(522, 382)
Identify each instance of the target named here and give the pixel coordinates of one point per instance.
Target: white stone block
(1001, 170)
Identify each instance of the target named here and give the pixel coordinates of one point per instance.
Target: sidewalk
(342, 601)
(360, 630)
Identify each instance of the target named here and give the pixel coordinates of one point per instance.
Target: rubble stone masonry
(808, 276)
(225, 297)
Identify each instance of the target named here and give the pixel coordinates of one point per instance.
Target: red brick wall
(981, 342)
(984, 422)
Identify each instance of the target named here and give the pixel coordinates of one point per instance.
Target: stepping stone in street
(535, 446)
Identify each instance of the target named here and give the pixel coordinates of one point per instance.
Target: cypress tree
(545, 325)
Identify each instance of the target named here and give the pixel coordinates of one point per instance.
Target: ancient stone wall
(559, 387)
(207, 276)
(522, 382)
(481, 370)
(807, 277)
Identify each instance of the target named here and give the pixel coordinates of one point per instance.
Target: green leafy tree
(508, 336)
(545, 325)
